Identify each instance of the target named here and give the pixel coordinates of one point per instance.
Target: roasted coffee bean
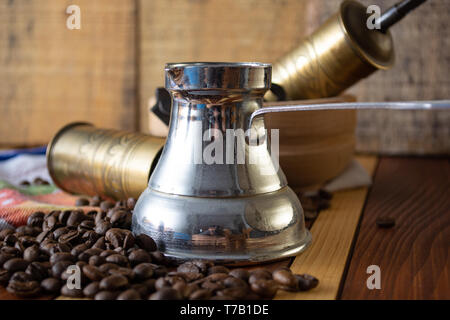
(166, 294)
(37, 271)
(89, 237)
(70, 238)
(106, 253)
(188, 276)
(99, 217)
(188, 267)
(141, 289)
(78, 249)
(96, 260)
(51, 285)
(91, 289)
(95, 201)
(200, 294)
(168, 281)
(93, 273)
(5, 257)
(50, 223)
(10, 240)
(15, 264)
(218, 269)
(144, 271)
(25, 183)
(100, 243)
(81, 202)
(73, 293)
(23, 289)
(145, 242)
(129, 294)
(105, 205)
(44, 235)
(129, 241)
(306, 282)
(285, 278)
(236, 292)
(126, 272)
(139, 256)
(86, 225)
(131, 202)
(10, 250)
(158, 257)
(212, 286)
(21, 276)
(75, 218)
(114, 282)
(122, 204)
(215, 277)
(5, 232)
(116, 236)
(107, 295)
(264, 288)
(36, 219)
(102, 227)
(107, 266)
(25, 231)
(61, 256)
(240, 273)
(59, 267)
(5, 275)
(259, 274)
(232, 282)
(117, 259)
(118, 218)
(64, 216)
(385, 222)
(60, 231)
(59, 247)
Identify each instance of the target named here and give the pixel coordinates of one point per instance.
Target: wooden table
(413, 256)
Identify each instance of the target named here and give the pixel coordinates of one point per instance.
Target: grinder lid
(218, 76)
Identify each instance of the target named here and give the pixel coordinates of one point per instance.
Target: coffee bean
(59, 267)
(117, 259)
(5, 275)
(107, 266)
(385, 222)
(131, 202)
(141, 289)
(113, 282)
(158, 257)
(61, 256)
(71, 238)
(144, 271)
(97, 260)
(100, 243)
(93, 273)
(23, 289)
(232, 282)
(78, 249)
(107, 295)
(265, 288)
(91, 289)
(285, 278)
(212, 286)
(51, 285)
(200, 294)
(71, 292)
(139, 256)
(105, 205)
(10, 240)
(129, 241)
(119, 218)
(5, 257)
(129, 294)
(126, 272)
(218, 269)
(10, 250)
(15, 264)
(188, 267)
(306, 282)
(86, 225)
(95, 201)
(80, 202)
(25, 183)
(102, 227)
(50, 223)
(37, 271)
(166, 294)
(146, 242)
(240, 273)
(188, 276)
(36, 219)
(44, 235)
(259, 274)
(236, 292)
(59, 247)
(26, 231)
(5, 232)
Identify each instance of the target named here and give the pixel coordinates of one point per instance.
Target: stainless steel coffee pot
(232, 209)
(208, 200)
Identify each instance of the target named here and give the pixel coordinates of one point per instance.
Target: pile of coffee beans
(97, 249)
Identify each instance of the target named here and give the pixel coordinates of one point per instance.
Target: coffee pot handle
(400, 105)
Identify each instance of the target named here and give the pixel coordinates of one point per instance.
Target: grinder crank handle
(401, 105)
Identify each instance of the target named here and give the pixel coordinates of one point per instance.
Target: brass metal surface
(336, 56)
(87, 160)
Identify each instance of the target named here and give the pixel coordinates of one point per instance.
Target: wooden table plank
(333, 233)
(414, 255)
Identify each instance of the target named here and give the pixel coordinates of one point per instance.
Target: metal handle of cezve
(401, 105)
